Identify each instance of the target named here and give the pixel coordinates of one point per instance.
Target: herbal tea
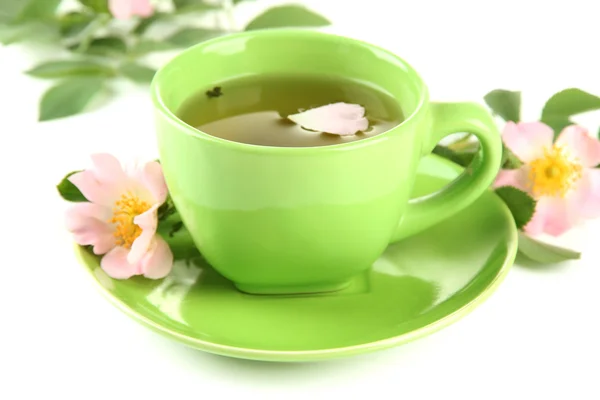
(255, 110)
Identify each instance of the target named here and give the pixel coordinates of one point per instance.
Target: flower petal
(148, 221)
(513, 177)
(586, 196)
(153, 178)
(337, 118)
(125, 9)
(88, 223)
(159, 262)
(78, 214)
(94, 190)
(580, 144)
(119, 9)
(142, 8)
(107, 168)
(115, 264)
(551, 216)
(527, 140)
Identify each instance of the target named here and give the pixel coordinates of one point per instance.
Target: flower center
(124, 211)
(554, 173)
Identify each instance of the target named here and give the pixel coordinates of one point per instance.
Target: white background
(537, 336)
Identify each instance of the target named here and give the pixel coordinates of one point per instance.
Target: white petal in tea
(336, 119)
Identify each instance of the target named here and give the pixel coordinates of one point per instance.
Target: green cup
(278, 220)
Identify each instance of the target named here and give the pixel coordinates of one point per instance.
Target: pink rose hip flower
(561, 176)
(120, 219)
(126, 9)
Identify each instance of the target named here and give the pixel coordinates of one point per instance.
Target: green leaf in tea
(214, 92)
(137, 73)
(190, 36)
(287, 16)
(505, 103)
(69, 97)
(563, 105)
(68, 191)
(520, 204)
(98, 6)
(61, 69)
(543, 252)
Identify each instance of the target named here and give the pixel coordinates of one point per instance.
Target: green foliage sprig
(97, 48)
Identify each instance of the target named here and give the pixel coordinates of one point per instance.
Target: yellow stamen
(125, 210)
(555, 173)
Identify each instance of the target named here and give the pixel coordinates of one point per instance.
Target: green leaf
(145, 23)
(570, 102)
(61, 69)
(36, 31)
(505, 104)
(68, 191)
(10, 9)
(73, 23)
(69, 97)
(544, 253)
(98, 6)
(149, 46)
(107, 46)
(509, 160)
(287, 16)
(137, 73)
(176, 227)
(191, 36)
(461, 158)
(559, 109)
(520, 204)
(35, 10)
(184, 6)
(557, 123)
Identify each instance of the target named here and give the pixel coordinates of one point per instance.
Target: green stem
(88, 34)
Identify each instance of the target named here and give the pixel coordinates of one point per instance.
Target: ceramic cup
(278, 220)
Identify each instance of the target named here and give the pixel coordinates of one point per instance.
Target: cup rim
(189, 130)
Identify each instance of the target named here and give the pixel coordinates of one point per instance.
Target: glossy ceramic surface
(416, 287)
(308, 219)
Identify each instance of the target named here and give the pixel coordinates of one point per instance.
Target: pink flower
(337, 118)
(125, 9)
(560, 175)
(120, 219)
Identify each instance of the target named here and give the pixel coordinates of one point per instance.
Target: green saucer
(416, 287)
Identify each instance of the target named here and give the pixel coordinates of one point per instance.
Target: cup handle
(448, 118)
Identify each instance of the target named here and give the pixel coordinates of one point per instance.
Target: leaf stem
(88, 34)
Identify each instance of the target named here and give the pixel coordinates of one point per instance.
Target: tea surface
(253, 110)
